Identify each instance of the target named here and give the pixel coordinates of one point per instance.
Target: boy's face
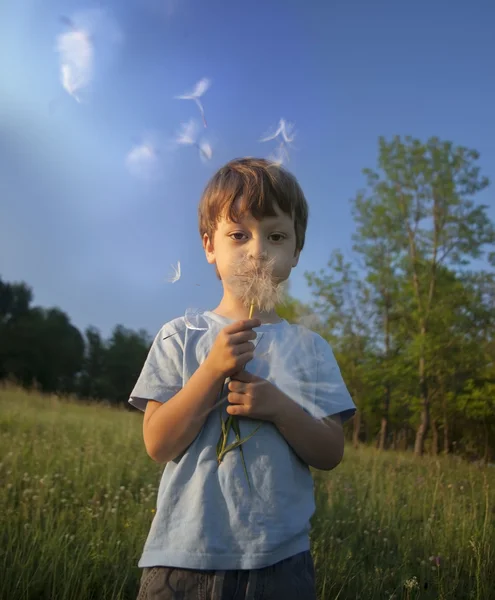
(272, 238)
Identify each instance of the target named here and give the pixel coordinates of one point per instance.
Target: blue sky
(93, 239)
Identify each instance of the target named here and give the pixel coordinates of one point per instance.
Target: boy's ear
(208, 248)
(295, 260)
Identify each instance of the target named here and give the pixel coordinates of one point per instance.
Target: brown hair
(260, 184)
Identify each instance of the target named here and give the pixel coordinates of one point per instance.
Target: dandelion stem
(251, 310)
(233, 422)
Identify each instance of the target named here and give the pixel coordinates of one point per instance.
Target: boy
(214, 536)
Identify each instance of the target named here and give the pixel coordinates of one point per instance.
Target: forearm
(319, 444)
(175, 424)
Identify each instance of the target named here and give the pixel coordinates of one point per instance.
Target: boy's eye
(236, 233)
(280, 236)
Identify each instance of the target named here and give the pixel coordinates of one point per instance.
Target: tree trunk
(419, 443)
(434, 441)
(382, 438)
(486, 455)
(383, 435)
(402, 440)
(446, 437)
(357, 429)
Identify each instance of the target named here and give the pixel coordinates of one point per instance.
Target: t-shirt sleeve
(331, 394)
(161, 375)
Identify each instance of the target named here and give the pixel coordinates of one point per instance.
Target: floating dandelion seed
(76, 60)
(188, 133)
(284, 132)
(177, 273)
(280, 155)
(205, 150)
(284, 129)
(76, 48)
(199, 90)
(188, 136)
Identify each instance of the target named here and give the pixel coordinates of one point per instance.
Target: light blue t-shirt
(206, 516)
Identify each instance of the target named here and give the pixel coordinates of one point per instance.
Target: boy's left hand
(254, 397)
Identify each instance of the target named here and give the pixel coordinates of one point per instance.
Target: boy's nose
(257, 250)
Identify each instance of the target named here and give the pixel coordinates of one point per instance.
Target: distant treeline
(411, 323)
(40, 348)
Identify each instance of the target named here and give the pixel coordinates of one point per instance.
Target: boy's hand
(254, 397)
(232, 349)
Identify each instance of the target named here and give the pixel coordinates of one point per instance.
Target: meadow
(77, 495)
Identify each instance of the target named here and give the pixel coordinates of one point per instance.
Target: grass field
(77, 495)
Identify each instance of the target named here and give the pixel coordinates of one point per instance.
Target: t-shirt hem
(215, 562)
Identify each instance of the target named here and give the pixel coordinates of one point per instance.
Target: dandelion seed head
(254, 283)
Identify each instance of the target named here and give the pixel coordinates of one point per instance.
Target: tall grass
(77, 495)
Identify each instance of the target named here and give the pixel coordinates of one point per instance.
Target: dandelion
(254, 284)
(199, 90)
(175, 277)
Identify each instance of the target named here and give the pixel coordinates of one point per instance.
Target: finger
(235, 386)
(243, 348)
(242, 325)
(235, 398)
(243, 376)
(243, 336)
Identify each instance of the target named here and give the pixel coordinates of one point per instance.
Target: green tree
(125, 354)
(421, 200)
(91, 380)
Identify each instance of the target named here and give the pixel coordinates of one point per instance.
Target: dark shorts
(289, 579)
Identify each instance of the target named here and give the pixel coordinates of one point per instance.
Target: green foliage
(411, 315)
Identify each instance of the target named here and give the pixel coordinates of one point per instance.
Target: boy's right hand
(232, 349)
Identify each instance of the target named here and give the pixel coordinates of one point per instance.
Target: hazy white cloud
(142, 161)
(199, 90)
